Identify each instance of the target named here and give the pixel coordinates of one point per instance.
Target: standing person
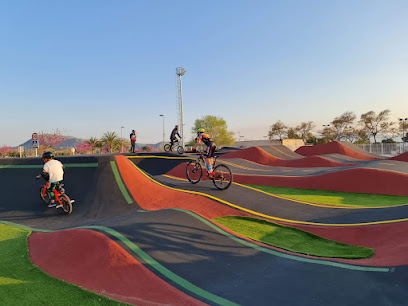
(173, 137)
(206, 138)
(53, 172)
(132, 141)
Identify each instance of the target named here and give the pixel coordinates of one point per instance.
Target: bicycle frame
(201, 160)
(56, 193)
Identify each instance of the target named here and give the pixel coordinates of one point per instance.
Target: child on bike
(53, 172)
(173, 137)
(206, 138)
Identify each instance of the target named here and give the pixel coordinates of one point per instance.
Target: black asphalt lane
(194, 250)
(286, 209)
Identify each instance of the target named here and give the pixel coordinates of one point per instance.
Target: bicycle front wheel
(45, 196)
(167, 147)
(222, 178)
(180, 150)
(66, 204)
(194, 171)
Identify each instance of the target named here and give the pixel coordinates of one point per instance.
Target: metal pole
(121, 144)
(181, 110)
(163, 127)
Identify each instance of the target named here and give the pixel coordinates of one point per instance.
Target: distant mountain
(70, 142)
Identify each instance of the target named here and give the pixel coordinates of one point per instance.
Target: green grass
(292, 239)
(337, 198)
(22, 283)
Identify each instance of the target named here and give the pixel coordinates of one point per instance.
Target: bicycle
(168, 147)
(60, 197)
(222, 177)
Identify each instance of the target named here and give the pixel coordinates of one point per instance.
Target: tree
(403, 128)
(51, 140)
(342, 124)
(328, 133)
(376, 124)
(304, 129)
(362, 137)
(277, 129)
(292, 133)
(93, 142)
(110, 139)
(217, 128)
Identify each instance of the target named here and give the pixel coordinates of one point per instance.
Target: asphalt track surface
(225, 268)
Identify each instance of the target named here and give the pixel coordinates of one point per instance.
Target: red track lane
(388, 240)
(257, 155)
(362, 180)
(330, 148)
(97, 263)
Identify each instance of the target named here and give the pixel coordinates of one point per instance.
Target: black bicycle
(222, 177)
(168, 147)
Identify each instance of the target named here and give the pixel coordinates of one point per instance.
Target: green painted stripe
(78, 165)
(153, 263)
(120, 183)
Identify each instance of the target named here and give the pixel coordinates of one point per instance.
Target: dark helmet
(48, 155)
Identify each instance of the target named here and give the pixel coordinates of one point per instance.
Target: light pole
(121, 145)
(163, 128)
(180, 71)
(403, 123)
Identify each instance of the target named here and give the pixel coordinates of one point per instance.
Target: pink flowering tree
(5, 150)
(84, 148)
(51, 140)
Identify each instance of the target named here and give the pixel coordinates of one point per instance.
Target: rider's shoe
(58, 206)
(211, 174)
(52, 204)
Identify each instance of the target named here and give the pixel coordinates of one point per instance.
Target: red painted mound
(401, 157)
(361, 180)
(151, 196)
(257, 155)
(330, 148)
(99, 264)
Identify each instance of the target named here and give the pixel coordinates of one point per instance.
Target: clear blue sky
(91, 66)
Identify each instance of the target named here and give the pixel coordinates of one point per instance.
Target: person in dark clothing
(132, 141)
(173, 135)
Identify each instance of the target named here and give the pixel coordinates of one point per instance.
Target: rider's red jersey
(206, 138)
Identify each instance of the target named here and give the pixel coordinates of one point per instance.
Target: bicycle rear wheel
(222, 178)
(66, 204)
(167, 147)
(194, 171)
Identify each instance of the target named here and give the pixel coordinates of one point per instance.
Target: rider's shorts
(210, 149)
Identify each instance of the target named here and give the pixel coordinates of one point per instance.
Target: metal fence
(386, 149)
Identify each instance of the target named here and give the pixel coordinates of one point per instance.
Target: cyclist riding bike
(173, 135)
(53, 172)
(207, 140)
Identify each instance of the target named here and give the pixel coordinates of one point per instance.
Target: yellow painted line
(267, 216)
(296, 200)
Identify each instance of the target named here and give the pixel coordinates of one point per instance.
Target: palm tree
(110, 139)
(93, 141)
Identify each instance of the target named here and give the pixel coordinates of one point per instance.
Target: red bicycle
(61, 199)
(222, 177)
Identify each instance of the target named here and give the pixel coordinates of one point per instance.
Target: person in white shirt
(53, 172)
